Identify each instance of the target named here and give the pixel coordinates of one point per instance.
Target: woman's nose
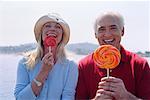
(52, 28)
(51, 31)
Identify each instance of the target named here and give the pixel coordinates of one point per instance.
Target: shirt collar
(124, 54)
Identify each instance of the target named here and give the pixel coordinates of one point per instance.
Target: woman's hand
(48, 61)
(47, 64)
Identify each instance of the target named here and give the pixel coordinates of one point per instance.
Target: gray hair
(115, 15)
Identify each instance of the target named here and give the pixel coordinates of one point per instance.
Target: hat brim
(39, 24)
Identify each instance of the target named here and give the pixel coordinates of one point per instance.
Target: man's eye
(101, 30)
(114, 29)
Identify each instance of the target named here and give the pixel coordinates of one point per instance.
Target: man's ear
(95, 35)
(122, 32)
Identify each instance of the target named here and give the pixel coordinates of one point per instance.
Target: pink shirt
(133, 70)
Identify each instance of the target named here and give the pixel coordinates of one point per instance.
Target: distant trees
(17, 49)
(145, 54)
(78, 48)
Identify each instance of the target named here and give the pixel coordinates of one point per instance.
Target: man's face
(109, 32)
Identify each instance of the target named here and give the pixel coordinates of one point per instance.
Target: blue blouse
(60, 84)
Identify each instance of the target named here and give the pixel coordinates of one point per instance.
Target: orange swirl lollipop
(107, 57)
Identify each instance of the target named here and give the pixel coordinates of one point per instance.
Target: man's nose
(107, 33)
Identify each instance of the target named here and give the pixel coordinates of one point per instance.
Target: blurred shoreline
(84, 48)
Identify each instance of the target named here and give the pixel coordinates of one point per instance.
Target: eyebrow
(101, 27)
(113, 26)
(58, 24)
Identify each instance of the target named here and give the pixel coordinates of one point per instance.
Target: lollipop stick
(107, 72)
(49, 49)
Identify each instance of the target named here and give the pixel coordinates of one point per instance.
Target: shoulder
(137, 59)
(71, 63)
(22, 63)
(132, 57)
(71, 67)
(86, 61)
(141, 64)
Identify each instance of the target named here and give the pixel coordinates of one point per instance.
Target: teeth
(110, 40)
(52, 35)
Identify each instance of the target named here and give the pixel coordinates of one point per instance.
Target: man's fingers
(111, 79)
(107, 83)
(102, 91)
(107, 88)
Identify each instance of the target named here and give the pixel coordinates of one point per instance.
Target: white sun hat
(52, 18)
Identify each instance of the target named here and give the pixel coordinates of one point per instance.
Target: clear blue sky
(17, 20)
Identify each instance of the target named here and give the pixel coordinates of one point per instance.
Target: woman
(46, 73)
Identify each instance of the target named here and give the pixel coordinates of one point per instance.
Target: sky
(17, 20)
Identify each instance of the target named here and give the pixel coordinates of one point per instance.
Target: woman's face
(52, 29)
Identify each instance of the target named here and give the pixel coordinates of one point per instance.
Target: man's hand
(115, 87)
(101, 96)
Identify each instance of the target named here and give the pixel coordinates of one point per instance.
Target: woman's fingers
(48, 59)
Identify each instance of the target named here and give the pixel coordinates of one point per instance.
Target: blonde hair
(34, 56)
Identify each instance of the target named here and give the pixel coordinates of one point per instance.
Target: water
(8, 68)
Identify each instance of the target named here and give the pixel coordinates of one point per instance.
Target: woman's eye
(58, 27)
(47, 25)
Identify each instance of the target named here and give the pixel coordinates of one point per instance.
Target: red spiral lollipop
(50, 41)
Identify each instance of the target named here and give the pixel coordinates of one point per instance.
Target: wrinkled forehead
(107, 21)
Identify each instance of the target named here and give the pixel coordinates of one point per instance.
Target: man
(130, 80)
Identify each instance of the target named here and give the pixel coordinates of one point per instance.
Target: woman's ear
(122, 32)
